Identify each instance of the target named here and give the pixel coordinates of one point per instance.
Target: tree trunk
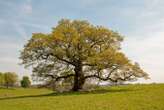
(78, 79)
(7, 85)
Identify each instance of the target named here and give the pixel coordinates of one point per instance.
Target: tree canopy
(78, 50)
(10, 79)
(25, 82)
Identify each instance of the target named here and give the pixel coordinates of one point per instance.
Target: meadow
(125, 97)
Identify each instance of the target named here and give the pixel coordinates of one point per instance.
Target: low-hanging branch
(109, 78)
(57, 78)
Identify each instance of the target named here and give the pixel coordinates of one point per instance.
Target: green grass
(129, 97)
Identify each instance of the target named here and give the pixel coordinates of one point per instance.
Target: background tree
(25, 82)
(10, 79)
(79, 50)
(1, 79)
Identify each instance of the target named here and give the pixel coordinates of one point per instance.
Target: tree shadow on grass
(98, 91)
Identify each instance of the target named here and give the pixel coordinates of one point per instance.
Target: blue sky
(140, 21)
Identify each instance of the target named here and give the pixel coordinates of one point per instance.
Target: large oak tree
(79, 51)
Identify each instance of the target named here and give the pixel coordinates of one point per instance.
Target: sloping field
(129, 97)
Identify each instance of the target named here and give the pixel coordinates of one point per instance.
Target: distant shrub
(25, 82)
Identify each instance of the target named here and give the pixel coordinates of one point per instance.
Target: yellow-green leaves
(75, 42)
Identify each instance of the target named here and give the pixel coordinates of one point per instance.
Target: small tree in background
(25, 82)
(1, 79)
(10, 79)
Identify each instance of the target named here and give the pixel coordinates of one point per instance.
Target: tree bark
(7, 85)
(79, 79)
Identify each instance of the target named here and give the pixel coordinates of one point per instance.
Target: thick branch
(64, 77)
(101, 78)
(64, 60)
(46, 56)
(109, 78)
(59, 77)
(95, 43)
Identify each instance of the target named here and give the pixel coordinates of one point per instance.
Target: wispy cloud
(6, 45)
(20, 30)
(27, 7)
(36, 25)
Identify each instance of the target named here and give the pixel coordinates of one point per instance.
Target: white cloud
(8, 45)
(9, 52)
(12, 64)
(149, 52)
(9, 61)
(27, 8)
(145, 42)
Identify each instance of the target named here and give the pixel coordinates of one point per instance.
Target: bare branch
(64, 77)
(101, 78)
(64, 60)
(57, 78)
(108, 77)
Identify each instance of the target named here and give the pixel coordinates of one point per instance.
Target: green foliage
(10, 79)
(25, 82)
(1, 79)
(126, 97)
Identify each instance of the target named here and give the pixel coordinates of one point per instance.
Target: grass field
(129, 97)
